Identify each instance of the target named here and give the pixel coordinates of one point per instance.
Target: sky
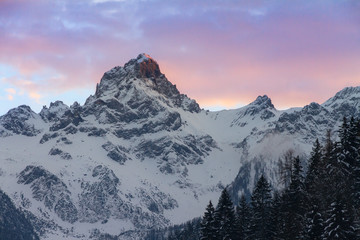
(222, 53)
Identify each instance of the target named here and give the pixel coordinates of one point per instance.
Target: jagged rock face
(144, 72)
(54, 112)
(116, 153)
(348, 94)
(309, 121)
(140, 94)
(48, 188)
(175, 154)
(130, 102)
(62, 154)
(100, 201)
(61, 116)
(262, 104)
(345, 103)
(145, 67)
(19, 120)
(261, 108)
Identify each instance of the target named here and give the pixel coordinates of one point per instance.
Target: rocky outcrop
(20, 120)
(100, 201)
(49, 189)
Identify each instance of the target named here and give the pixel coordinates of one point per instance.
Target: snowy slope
(140, 155)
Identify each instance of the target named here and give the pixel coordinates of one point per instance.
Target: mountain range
(138, 154)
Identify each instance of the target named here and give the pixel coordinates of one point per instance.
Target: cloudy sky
(221, 53)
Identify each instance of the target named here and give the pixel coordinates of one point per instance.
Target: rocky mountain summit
(140, 155)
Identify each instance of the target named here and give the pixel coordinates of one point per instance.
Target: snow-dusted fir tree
(340, 212)
(354, 139)
(339, 225)
(314, 222)
(314, 228)
(261, 224)
(294, 200)
(208, 230)
(225, 217)
(314, 167)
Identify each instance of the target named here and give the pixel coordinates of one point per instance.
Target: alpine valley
(139, 155)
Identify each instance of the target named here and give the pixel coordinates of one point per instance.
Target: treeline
(321, 203)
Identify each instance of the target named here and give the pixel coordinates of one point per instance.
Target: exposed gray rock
(64, 140)
(155, 200)
(16, 121)
(116, 153)
(48, 188)
(47, 136)
(56, 151)
(100, 200)
(93, 131)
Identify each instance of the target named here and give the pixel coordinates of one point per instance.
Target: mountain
(140, 155)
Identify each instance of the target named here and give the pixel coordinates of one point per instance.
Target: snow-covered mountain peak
(143, 57)
(263, 101)
(140, 80)
(54, 112)
(262, 107)
(22, 111)
(143, 67)
(21, 120)
(348, 93)
(345, 103)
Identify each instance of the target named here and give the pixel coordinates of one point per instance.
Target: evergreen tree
(313, 186)
(340, 223)
(314, 167)
(260, 225)
(225, 217)
(277, 216)
(327, 176)
(354, 140)
(208, 224)
(242, 219)
(340, 214)
(294, 200)
(345, 149)
(314, 228)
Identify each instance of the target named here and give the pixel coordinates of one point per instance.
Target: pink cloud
(220, 53)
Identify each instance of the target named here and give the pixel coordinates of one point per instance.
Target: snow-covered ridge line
(139, 154)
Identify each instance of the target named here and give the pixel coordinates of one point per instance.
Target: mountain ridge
(138, 152)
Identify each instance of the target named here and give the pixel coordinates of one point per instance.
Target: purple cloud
(219, 52)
